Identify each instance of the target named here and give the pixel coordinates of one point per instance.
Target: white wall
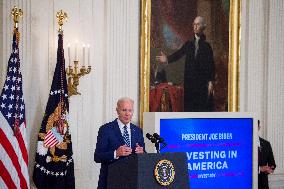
(111, 27)
(262, 69)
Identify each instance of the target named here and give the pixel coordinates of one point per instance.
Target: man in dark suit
(118, 139)
(199, 71)
(266, 162)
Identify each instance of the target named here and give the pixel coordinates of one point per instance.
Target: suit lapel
(119, 135)
(117, 131)
(133, 133)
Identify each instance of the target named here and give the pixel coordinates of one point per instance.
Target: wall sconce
(74, 72)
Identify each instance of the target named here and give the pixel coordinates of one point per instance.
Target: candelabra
(74, 75)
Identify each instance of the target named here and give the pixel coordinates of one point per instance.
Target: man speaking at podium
(118, 139)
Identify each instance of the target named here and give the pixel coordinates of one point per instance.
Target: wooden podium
(138, 172)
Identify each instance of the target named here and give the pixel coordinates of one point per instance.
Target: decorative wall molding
(2, 65)
(122, 45)
(262, 73)
(276, 181)
(275, 80)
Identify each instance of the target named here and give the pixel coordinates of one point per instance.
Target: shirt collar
(197, 37)
(121, 125)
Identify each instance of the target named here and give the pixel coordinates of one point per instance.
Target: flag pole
(16, 14)
(61, 16)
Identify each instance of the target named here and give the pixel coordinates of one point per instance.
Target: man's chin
(126, 121)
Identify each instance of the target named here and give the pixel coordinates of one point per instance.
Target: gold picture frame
(233, 57)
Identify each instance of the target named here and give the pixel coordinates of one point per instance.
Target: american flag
(52, 138)
(13, 143)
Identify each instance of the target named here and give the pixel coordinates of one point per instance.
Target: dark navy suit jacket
(265, 157)
(109, 139)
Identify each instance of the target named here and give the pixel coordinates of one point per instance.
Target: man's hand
(266, 169)
(139, 149)
(123, 151)
(162, 58)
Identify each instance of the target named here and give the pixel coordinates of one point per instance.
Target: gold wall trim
(144, 58)
(234, 55)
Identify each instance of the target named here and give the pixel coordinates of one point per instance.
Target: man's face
(198, 26)
(125, 111)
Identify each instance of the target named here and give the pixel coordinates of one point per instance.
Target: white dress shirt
(121, 125)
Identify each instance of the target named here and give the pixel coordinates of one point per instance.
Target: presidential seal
(164, 172)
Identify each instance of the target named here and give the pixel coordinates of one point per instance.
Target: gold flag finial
(61, 16)
(16, 14)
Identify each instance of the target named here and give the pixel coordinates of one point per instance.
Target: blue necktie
(126, 136)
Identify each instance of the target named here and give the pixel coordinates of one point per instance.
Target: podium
(138, 172)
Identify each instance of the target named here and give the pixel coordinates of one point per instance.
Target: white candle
(76, 49)
(69, 54)
(89, 56)
(84, 46)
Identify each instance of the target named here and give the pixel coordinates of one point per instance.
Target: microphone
(158, 138)
(151, 138)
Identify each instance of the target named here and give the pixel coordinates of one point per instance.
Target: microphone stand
(157, 145)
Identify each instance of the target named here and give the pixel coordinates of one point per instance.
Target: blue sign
(219, 150)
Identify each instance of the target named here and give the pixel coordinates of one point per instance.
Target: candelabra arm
(74, 74)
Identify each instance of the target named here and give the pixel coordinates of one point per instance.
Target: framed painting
(166, 26)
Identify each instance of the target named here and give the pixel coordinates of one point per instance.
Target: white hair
(202, 21)
(124, 99)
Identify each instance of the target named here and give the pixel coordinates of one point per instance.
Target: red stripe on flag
(53, 143)
(48, 136)
(23, 148)
(50, 140)
(14, 158)
(6, 176)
